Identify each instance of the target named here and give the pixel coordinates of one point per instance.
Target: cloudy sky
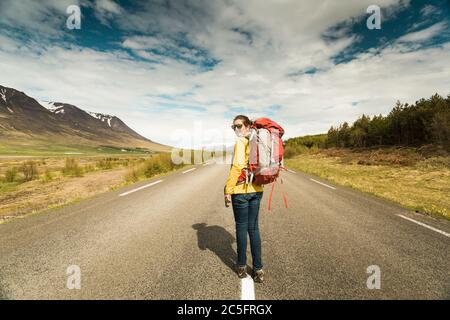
(177, 72)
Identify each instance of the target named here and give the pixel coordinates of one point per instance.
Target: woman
(245, 199)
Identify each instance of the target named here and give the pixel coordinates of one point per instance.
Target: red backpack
(266, 155)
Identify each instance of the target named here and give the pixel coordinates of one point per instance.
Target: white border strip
(247, 288)
(140, 188)
(189, 170)
(425, 225)
(291, 171)
(322, 184)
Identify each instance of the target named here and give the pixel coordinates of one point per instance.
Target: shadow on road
(218, 240)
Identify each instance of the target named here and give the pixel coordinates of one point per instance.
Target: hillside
(26, 123)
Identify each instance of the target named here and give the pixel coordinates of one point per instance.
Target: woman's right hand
(227, 200)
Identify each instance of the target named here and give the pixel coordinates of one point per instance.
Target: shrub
(292, 150)
(11, 174)
(149, 167)
(289, 152)
(72, 168)
(105, 164)
(152, 167)
(88, 168)
(29, 170)
(48, 176)
(132, 175)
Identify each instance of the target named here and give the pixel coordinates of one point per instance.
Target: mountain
(23, 119)
(90, 121)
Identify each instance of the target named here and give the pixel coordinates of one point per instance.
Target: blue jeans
(246, 212)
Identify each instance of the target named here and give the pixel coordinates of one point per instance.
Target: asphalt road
(174, 239)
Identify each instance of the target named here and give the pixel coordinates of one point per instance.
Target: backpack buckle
(248, 176)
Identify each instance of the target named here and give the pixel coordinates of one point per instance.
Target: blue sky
(178, 71)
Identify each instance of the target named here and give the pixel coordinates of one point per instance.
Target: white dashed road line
(247, 288)
(150, 184)
(425, 225)
(140, 188)
(323, 184)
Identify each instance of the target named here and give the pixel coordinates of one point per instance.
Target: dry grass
(415, 178)
(36, 195)
(59, 181)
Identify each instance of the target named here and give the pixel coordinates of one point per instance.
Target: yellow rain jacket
(240, 161)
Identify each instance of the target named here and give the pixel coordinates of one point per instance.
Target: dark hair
(245, 120)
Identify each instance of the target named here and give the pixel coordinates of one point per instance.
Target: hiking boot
(242, 272)
(258, 276)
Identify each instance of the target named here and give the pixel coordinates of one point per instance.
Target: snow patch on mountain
(56, 108)
(102, 117)
(50, 106)
(3, 94)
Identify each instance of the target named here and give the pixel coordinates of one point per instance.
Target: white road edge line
(189, 170)
(140, 188)
(425, 225)
(247, 288)
(291, 171)
(322, 184)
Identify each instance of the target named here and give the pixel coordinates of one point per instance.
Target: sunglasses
(238, 126)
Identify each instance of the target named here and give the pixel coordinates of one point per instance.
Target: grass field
(30, 184)
(418, 179)
(60, 150)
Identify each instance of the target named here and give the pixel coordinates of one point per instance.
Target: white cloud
(424, 34)
(105, 10)
(45, 18)
(108, 6)
(269, 42)
(429, 10)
